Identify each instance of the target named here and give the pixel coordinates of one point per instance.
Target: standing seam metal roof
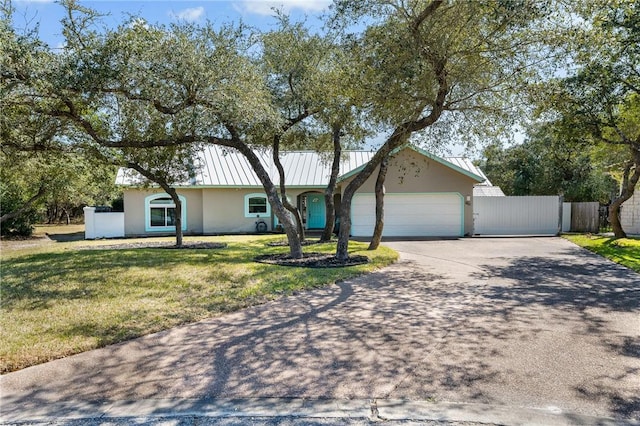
(226, 167)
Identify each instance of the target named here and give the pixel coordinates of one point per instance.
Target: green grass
(625, 251)
(59, 299)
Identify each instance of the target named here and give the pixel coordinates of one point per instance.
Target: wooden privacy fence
(585, 217)
(530, 215)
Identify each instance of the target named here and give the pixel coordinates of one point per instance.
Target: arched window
(160, 213)
(256, 205)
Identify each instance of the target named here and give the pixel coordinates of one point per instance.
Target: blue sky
(258, 13)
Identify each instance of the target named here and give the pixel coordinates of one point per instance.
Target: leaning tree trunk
(178, 212)
(377, 231)
(629, 182)
(399, 136)
(330, 208)
(164, 184)
(295, 244)
(283, 189)
(290, 229)
(297, 216)
(42, 191)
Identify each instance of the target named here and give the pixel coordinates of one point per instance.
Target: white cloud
(139, 22)
(191, 14)
(265, 7)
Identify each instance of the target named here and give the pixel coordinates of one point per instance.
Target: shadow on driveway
(529, 331)
(592, 292)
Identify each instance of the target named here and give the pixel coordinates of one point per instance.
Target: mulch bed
(160, 245)
(312, 260)
(285, 243)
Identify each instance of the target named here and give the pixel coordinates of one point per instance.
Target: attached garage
(410, 215)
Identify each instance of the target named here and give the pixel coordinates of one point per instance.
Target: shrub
(22, 224)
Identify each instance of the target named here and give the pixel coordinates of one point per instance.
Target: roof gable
(461, 166)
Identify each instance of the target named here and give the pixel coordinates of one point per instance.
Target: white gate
(535, 215)
(102, 225)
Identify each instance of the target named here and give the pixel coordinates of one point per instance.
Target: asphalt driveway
(512, 323)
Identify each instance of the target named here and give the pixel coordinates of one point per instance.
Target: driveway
(513, 323)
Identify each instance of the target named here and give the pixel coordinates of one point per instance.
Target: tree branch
(26, 206)
(428, 11)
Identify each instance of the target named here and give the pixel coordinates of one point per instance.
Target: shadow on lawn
(97, 297)
(67, 237)
(44, 277)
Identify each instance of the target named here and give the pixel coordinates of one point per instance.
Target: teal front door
(315, 211)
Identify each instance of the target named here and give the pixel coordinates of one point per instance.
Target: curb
(364, 409)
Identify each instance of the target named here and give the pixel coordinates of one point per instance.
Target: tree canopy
(421, 62)
(599, 98)
(549, 162)
(147, 96)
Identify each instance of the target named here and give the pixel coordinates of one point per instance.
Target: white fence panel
(102, 225)
(566, 217)
(535, 215)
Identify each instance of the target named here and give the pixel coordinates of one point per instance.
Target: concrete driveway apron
(521, 322)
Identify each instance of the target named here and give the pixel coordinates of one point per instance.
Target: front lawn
(62, 298)
(625, 251)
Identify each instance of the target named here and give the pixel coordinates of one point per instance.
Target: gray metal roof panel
(220, 166)
(487, 191)
(465, 163)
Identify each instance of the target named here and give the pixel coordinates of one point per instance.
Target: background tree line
(583, 140)
(147, 96)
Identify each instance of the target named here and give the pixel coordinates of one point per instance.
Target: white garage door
(410, 215)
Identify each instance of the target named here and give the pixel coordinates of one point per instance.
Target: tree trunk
(330, 208)
(342, 249)
(298, 218)
(26, 206)
(377, 231)
(399, 136)
(169, 190)
(614, 218)
(295, 244)
(629, 182)
(283, 190)
(67, 218)
(52, 213)
(178, 212)
(330, 216)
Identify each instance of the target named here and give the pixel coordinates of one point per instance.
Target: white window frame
(147, 212)
(256, 195)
